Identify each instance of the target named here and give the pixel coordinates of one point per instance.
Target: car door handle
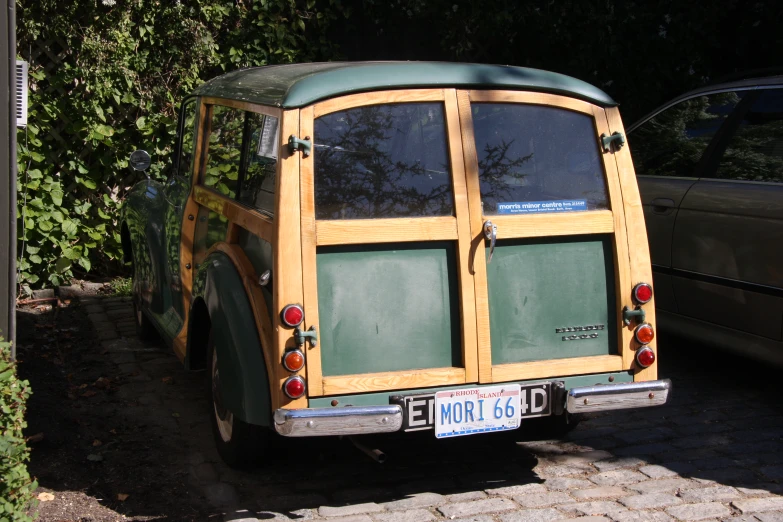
(662, 205)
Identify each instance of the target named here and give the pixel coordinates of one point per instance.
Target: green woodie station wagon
(356, 248)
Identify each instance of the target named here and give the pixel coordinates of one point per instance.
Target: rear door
(548, 290)
(385, 239)
(726, 241)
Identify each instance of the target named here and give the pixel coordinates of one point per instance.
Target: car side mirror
(140, 160)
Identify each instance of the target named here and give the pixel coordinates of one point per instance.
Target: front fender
(244, 380)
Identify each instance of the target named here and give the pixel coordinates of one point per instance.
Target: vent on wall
(21, 93)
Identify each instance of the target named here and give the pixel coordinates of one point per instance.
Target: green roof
(298, 85)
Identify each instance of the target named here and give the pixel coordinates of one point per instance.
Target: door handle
(491, 233)
(662, 205)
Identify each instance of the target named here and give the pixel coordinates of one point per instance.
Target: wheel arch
(221, 306)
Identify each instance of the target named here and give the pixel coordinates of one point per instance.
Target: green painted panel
(259, 252)
(382, 398)
(388, 307)
(538, 286)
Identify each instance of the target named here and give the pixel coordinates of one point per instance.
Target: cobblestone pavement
(713, 453)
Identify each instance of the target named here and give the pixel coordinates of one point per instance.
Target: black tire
(240, 445)
(145, 330)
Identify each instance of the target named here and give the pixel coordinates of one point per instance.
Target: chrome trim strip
(618, 396)
(346, 420)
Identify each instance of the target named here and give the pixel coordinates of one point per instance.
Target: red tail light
(292, 315)
(293, 360)
(642, 293)
(645, 356)
(644, 333)
(294, 387)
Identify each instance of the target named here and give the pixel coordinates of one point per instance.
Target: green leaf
(90, 184)
(85, 263)
(62, 265)
(43, 225)
(57, 197)
(141, 122)
(69, 227)
(35, 258)
(32, 249)
(34, 174)
(104, 130)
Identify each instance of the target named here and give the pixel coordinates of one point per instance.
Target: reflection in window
(382, 161)
(531, 153)
(755, 152)
(258, 181)
(225, 150)
(211, 228)
(188, 140)
(672, 143)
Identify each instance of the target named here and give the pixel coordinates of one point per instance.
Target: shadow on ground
(121, 418)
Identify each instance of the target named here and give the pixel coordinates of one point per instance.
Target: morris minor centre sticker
(536, 207)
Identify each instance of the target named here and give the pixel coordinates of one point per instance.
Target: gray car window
(535, 159)
(672, 142)
(382, 161)
(755, 151)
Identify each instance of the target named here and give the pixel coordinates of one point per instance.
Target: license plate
(535, 400)
(477, 410)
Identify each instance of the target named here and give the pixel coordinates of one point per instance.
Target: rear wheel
(240, 445)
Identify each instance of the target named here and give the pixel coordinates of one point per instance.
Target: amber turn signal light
(293, 360)
(294, 387)
(642, 293)
(292, 315)
(644, 333)
(645, 356)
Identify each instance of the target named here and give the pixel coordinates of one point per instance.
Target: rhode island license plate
(477, 410)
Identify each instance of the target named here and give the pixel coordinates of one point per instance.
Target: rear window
(535, 159)
(382, 161)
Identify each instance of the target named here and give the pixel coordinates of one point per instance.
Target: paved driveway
(714, 453)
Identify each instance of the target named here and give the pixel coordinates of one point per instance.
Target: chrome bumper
(618, 396)
(346, 420)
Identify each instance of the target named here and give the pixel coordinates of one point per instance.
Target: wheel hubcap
(224, 418)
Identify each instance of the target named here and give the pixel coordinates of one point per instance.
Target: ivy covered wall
(106, 77)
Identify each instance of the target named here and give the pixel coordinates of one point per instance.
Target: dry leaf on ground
(45, 496)
(122, 497)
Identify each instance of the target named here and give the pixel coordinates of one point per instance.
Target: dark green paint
(382, 398)
(615, 137)
(244, 382)
(298, 85)
(295, 144)
(629, 315)
(259, 252)
(388, 307)
(537, 286)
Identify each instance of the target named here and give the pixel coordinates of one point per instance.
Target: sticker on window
(536, 207)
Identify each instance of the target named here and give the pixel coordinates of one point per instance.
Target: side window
(382, 161)
(755, 151)
(187, 136)
(672, 143)
(536, 159)
(260, 165)
(225, 150)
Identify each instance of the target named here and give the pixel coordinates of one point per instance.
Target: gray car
(710, 172)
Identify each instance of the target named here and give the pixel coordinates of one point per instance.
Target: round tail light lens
(642, 293)
(294, 387)
(644, 333)
(293, 360)
(645, 357)
(292, 315)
